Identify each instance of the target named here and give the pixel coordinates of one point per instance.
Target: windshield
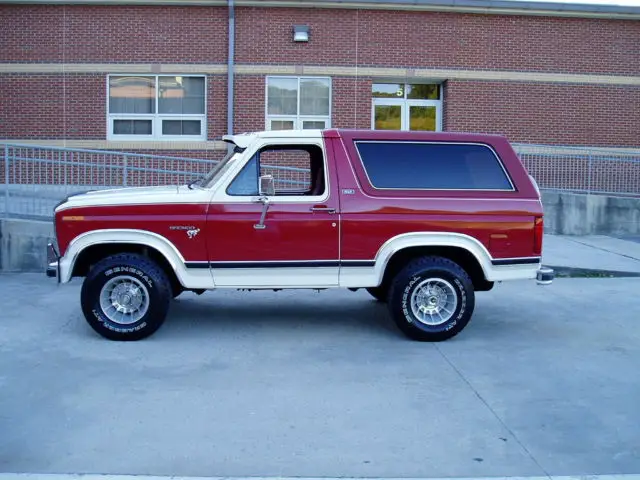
(219, 169)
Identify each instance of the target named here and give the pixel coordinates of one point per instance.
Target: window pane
(422, 118)
(313, 124)
(281, 124)
(424, 91)
(181, 95)
(314, 96)
(388, 117)
(290, 167)
(132, 127)
(132, 95)
(432, 166)
(387, 90)
(282, 96)
(246, 183)
(181, 127)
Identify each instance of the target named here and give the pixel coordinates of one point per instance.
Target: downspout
(230, 72)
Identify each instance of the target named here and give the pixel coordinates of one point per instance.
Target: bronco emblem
(192, 233)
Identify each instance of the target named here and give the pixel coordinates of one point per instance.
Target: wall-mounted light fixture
(300, 33)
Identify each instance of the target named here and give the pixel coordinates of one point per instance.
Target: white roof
(243, 140)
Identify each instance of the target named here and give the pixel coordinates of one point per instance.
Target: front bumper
(53, 262)
(544, 276)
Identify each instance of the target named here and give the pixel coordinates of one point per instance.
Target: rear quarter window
(432, 166)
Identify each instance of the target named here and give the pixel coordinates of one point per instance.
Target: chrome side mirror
(267, 186)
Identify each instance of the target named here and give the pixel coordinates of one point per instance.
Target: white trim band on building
(338, 71)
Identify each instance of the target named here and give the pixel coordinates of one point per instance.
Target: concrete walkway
(542, 383)
(597, 252)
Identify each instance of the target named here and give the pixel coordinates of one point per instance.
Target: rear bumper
(53, 262)
(544, 276)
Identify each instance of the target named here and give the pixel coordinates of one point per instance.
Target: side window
(432, 166)
(298, 170)
(246, 183)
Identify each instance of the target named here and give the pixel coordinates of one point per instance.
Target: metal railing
(37, 178)
(34, 178)
(583, 169)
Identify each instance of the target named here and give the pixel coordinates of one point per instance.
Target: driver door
(287, 238)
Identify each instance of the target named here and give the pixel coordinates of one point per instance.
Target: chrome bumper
(53, 262)
(544, 276)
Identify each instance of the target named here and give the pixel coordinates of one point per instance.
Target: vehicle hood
(130, 196)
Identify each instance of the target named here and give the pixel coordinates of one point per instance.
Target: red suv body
(421, 220)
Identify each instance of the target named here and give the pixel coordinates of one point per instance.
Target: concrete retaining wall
(23, 245)
(23, 242)
(579, 214)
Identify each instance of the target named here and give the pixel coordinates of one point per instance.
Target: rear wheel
(126, 297)
(431, 299)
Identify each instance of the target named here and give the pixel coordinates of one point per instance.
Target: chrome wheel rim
(124, 300)
(434, 301)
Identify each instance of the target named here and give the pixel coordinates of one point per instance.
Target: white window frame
(221, 196)
(405, 105)
(156, 118)
(297, 119)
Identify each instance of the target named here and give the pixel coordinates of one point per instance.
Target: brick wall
(446, 40)
(249, 103)
(216, 106)
(545, 113)
(106, 34)
(351, 102)
(31, 105)
(198, 34)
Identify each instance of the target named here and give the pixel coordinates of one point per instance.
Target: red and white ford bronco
(420, 220)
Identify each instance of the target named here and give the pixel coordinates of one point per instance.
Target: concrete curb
(577, 272)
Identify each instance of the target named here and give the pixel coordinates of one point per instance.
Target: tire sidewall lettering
(130, 270)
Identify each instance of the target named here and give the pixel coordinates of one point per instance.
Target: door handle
(265, 206)
(323, 208)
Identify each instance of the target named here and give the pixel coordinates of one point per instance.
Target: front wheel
(126, 297)
(431, 299)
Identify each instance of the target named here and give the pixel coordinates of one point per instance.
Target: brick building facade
(153, 76)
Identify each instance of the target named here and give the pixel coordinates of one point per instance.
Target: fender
(193, 278)
(431, 239)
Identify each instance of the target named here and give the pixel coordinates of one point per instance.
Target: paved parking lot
(544, 381)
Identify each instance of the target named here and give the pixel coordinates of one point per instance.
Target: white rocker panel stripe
(285, 277)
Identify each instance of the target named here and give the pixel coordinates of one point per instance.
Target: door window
(297, 170)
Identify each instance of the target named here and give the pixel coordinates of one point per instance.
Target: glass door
(423, 115)
(399, 106)
(388, 114)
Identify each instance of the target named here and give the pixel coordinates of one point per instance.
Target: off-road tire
(145, 271)
(379, 293)
(410, 278)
